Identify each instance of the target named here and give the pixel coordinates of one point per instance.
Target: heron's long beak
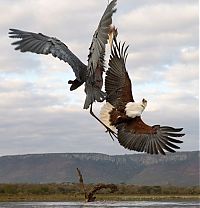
(112, 33)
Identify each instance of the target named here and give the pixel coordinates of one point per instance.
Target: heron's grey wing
(100, 38)
(136, 135)
(95, 68)
(42, 44)
(117, 81)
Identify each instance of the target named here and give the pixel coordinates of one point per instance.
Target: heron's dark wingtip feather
(14, 33)
(11, 31)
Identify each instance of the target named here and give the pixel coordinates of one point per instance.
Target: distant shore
(73, 192)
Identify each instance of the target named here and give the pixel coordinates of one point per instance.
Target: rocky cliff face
(180, 168)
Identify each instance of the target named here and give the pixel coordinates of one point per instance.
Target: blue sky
(39, 114)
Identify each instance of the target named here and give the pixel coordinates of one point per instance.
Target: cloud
(160, 19)
(38, 112)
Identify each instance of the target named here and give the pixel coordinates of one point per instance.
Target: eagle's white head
(134, 109)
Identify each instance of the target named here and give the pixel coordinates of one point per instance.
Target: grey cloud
(156, 19)
(59, 131)
(160, 27)
(63, 131)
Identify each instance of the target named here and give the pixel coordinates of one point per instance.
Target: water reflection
(125, 204)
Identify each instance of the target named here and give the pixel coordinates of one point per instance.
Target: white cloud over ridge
(38, 113)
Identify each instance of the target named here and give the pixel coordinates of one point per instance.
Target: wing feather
(156, 147)
(117, 81)
(95, 68)
(138, 136)
(42, 44)
(174, 140)
(173, 134)
(171, 129)
(100, 39)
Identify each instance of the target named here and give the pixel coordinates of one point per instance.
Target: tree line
(74, 188)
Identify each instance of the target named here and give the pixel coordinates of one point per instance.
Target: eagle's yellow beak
(144, 102)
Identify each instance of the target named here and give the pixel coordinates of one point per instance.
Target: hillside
(180, 168)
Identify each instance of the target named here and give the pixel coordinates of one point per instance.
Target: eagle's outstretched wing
(138, 136)
(117, 81)
(132, 132)
(95, 68)
(42, 44)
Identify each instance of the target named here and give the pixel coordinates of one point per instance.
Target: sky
(39, 114)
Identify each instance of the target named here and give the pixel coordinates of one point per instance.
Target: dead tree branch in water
(82, 183)
(89, 196)
(98, 187)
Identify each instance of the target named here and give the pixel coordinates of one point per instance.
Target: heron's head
(144, 103)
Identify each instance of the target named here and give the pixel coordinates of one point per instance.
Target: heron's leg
(110, 131)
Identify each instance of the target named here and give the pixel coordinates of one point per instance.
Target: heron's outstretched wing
(138, 136)
(100, 38)
(42, 44)
(117, 81)
(95, 68)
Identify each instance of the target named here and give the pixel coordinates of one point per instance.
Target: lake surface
(125, 204)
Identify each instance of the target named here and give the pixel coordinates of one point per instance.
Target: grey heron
(90, 74)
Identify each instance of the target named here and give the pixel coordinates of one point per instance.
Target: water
(125, 204)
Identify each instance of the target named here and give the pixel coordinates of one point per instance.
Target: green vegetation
(73, 192)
